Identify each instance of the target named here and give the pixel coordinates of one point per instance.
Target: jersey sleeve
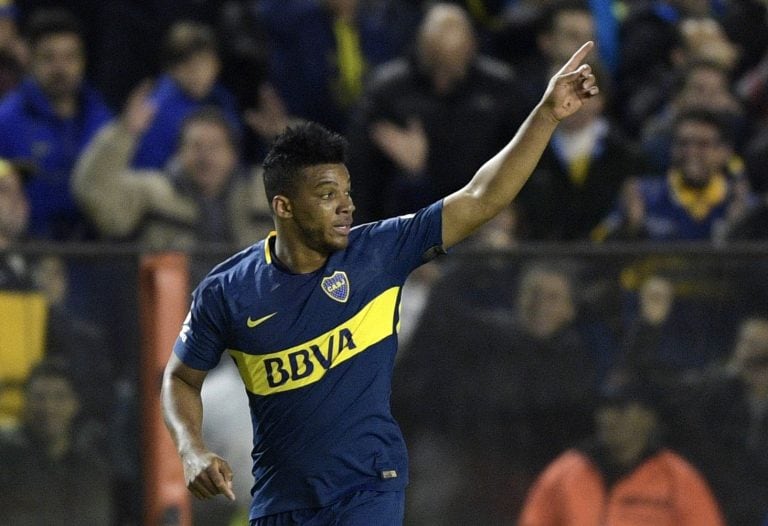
(202, 339)
(406, 242)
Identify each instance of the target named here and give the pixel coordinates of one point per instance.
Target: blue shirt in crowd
(32, 131)
(159, 141)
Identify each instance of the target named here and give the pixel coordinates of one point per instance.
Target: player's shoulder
(386, 235)
(232, 269)
(427, 213)
(376, 229)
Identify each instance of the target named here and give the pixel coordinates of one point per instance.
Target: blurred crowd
(144, 122)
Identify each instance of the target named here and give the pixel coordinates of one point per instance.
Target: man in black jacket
(429, 119)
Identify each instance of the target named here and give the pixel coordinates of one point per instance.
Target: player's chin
(337, 241)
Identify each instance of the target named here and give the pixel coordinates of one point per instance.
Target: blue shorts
(362, 508)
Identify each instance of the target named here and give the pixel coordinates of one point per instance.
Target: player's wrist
(191, 448)
(544, 115)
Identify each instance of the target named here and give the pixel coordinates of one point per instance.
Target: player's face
(322, 208)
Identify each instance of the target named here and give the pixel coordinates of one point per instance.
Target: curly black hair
(298, 147)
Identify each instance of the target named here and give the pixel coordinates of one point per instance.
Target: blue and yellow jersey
(316, 353)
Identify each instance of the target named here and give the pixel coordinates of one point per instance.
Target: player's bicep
(463, 213)
(176, 370)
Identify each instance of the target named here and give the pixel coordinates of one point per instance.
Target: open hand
(571, 86)
(407, 147)
(139, 109)
(270, 118)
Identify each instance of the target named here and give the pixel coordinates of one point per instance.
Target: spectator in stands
(752, 88)
(14, 216)
(14, 54)
(560, 25)
(753, 225)
(756, 155)
(321, 51)
(190, 82)
(418, 108)
(579, 176)
(728, 408)
(623, 475)
(704, 39)
(49, 119)
(22, 310)
(266, 120)
(659, 39)
(701, 85)
(664, 340)
(695, 200)
(556, 378)
(77, 340)
(522, 372)
(204, 197)
(49, 475)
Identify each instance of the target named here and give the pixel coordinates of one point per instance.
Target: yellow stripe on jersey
(267, 251)
(307, 363)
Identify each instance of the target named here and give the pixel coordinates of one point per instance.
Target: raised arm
(114, 196)
(206, 473)
(498, 181)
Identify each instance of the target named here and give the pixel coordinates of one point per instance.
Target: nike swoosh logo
(253, 323)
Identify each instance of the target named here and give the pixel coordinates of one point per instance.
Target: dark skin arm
(499, 180)
(206, 473)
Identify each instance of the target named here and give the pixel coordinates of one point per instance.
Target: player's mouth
(343, 228)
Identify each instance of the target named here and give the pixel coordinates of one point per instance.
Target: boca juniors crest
(336, 286)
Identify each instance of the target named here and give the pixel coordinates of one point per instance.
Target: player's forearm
(183, 413)
(500, 179)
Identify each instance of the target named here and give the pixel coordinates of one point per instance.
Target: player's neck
(297, 257)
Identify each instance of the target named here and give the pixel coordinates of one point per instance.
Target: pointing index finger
(576, 59)
(224, 487)
(223, 480)
(219, 476)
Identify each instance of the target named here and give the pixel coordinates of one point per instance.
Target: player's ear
(281, 206)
